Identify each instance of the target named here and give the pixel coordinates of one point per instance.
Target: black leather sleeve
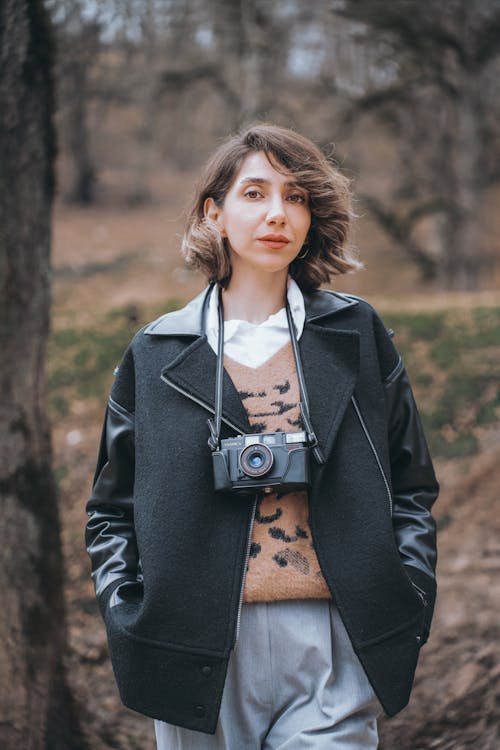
(415, 489)
(109, 535)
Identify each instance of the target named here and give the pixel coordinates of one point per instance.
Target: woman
(288, 615)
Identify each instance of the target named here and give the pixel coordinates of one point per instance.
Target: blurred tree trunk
(252, 42)
(462, 258)
(36, 711)
(74, 91)
(441, 63)
(77, 50)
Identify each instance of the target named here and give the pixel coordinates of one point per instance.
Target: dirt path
(456, 701)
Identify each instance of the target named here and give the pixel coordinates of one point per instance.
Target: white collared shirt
(252, 344)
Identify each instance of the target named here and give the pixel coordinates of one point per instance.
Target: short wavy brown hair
(329, 201)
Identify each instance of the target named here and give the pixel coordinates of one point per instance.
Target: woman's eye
(297, 198)
(253, 194)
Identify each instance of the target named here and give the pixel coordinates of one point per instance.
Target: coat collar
(190, 320)
(330, 359)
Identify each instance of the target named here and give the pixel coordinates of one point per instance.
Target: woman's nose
(276, 211)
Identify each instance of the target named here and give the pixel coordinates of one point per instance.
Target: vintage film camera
(259, 461)
(262, 461)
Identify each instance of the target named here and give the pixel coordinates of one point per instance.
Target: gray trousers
(293, 683)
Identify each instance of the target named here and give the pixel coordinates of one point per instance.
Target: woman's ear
(210, 210)
(213, 212)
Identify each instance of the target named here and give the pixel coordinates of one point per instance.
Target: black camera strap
(215, 425)
(304, 403)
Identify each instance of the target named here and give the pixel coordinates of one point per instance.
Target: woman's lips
(274, 241)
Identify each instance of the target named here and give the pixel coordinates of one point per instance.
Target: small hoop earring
(300, 257)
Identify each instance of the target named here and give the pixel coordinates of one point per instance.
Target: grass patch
(420, 326)
(452, 357)
(60, 473)
(81, 361)
(465, 444)
(91, 269)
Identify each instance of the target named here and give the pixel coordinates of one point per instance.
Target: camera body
(261, 461)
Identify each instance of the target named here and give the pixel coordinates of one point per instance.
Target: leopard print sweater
(282, 562)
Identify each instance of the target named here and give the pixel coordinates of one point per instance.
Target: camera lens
(256, 460)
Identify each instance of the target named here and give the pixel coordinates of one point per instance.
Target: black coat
(169, 554)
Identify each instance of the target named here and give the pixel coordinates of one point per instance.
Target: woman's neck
(254, 297)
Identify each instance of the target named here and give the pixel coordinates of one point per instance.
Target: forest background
(404, 96)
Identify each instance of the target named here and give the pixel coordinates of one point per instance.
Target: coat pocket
(128, 592)
(390, 662)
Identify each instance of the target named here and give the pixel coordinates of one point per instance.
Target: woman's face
(265, 216)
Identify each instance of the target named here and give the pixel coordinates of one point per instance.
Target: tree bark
(76, 98)
(36, 711)
(78, 48)
(463, 259)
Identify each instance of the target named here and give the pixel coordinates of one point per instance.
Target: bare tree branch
(176, 80)
(487, 41)
(400, 228)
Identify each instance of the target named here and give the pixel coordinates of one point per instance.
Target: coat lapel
(330, 360)
(193, 373)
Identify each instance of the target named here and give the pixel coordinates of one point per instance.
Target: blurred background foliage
(404, 96)
(404, 93)
(451, 357)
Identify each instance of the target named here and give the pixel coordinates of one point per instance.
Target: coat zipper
(374, 450)
(247, 555)
(421, 593)
(200, 403)
(252, 517)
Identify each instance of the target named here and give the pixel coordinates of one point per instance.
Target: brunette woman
(251, 603)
